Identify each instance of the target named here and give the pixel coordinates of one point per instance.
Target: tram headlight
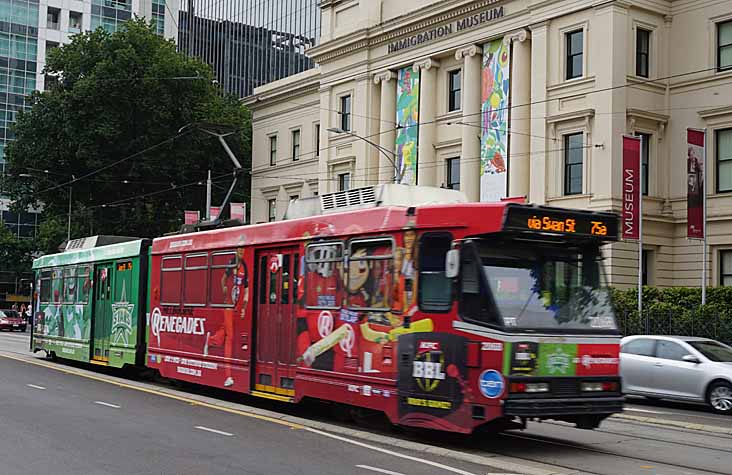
(598, 386)
(529, 387)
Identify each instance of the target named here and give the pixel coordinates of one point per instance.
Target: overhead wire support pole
(704, 224)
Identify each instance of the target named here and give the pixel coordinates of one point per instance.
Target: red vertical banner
(631, 183)
(238, 211)
(695, 183)
(215, 210)
(192, 217)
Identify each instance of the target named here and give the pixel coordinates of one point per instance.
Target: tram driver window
(475, 303)
(370, 274)
(324, 275)
(435, 289)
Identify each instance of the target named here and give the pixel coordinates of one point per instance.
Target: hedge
(677, 311)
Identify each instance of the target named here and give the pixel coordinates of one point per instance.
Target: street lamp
(391, 156)
(68, 228)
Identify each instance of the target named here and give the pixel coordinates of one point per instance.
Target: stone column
(539, 145)
(426, 156)
(387, 125)
(470, 152)
(520, 114)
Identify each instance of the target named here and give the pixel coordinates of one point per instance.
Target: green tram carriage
(90, 306)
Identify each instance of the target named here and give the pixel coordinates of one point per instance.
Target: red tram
(444, 316)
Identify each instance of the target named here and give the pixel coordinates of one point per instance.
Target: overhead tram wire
(528, 104)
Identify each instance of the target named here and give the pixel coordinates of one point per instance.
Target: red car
(11, 320)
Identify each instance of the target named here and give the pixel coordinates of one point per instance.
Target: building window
(642, 49)
(346, 113)
(52, 18)
(273, 150)
(453, 173)
(646, 261)
(295, 145)
(344, 182)
(724, 160)
(74, 22)
(574, 54)
(725, 268)
(294, 197)
(573, 164)
(454, 91)
(271, 210)
(724, 45)
(645, 154)
(317, 140)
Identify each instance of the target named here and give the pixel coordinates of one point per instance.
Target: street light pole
(391, 156)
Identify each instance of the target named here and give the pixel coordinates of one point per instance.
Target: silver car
(678, 367)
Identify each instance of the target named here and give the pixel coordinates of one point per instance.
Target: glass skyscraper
(249, 42)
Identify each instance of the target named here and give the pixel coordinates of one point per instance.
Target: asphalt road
(620, 446)
(60, 423)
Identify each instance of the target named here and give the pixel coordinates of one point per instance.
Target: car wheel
(719, 397)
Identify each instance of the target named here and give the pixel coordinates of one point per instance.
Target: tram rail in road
(619, 446)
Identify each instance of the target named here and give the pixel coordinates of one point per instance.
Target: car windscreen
(549, 288)
(713, 350)
(8, 314)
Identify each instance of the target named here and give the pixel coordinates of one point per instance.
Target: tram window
(474, 301)
(171, 280)
(83, 284)
(435, 289)
(295, 277)
(57, 285)
(69, 285)
(221, 280)
(324, 275)
(194, 280)
(370, 274)
(263, 280)
(286, 273)
(45, 292)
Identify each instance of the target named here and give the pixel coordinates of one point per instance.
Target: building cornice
(715, 112)
(440, 12)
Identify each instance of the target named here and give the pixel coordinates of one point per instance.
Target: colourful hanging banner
(631, 187)
(192, 217)
(407, 119)
(239, 211)
(215, 210)
(496, 88)
(695, 184)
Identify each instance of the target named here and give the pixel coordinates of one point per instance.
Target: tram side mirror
(452, 263)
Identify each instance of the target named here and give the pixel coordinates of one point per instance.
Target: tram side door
(275, 321)
(102, 315)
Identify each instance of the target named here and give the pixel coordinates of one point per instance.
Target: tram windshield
(550, 288)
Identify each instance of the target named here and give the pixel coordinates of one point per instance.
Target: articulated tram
(442, 314)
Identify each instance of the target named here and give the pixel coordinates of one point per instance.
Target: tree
(118, 95)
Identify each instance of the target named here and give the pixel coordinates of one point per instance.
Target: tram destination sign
(560, 221)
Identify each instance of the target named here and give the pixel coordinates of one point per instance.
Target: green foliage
(677, 310)
(15, 254)
(119, 94)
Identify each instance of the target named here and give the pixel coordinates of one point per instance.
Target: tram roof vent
(371, 197)
(95, 241)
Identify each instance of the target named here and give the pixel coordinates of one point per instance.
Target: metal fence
(692, 323)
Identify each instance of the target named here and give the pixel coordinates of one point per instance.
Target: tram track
(543, 440)
(525, 446)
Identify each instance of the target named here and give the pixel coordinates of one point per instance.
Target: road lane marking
(389, 452)
(379, 470)
(270, 419)
(102, 403)
(190, 401)
(220, 432)
(34, 386)
(645, 411)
